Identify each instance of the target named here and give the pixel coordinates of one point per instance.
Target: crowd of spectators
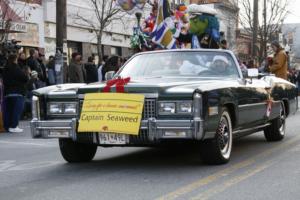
(277, 64)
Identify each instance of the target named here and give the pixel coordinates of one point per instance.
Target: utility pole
(265, 29)
(255, 27)
(61, 41)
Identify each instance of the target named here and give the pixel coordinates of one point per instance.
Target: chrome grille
(80, 107)
(149, 108)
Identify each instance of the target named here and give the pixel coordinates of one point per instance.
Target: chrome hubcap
(223, 136)
(282, 121)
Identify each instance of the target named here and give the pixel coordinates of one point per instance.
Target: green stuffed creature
(204, 28)
(197, 26)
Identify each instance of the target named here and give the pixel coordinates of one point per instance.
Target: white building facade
(41, 29)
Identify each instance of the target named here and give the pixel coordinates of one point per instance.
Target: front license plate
(112, 138)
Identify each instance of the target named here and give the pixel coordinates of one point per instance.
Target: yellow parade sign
(111, 113)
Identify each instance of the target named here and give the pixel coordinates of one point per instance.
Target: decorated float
(193, 26)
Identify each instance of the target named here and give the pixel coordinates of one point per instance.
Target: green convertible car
(190, 96)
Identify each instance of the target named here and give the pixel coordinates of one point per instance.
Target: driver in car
(220, 65)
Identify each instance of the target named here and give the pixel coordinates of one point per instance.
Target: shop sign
(116, 39)
(30, 38)
(19, 27)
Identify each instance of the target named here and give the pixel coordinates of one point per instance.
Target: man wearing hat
(220, 65)
(279, 64)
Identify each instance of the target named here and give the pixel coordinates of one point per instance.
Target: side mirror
(109, 75)
(252, 73)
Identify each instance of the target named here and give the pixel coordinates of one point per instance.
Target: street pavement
(34, 170)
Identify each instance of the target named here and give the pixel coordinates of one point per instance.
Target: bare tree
(276, 12)
(104, 13)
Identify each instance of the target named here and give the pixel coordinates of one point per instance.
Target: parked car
(198, 96)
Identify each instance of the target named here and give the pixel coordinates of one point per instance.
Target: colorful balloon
(126, 5)
(130, 5)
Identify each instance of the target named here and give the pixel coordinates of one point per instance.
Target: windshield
(185, 64)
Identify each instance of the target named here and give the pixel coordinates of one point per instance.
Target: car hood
(69, 89)
(165, 86)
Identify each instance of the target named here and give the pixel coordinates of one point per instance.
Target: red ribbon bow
(119, 82)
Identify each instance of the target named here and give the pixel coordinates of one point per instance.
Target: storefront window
(116, 51)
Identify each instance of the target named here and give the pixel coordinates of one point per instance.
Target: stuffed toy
(204, 28)
(149, 22)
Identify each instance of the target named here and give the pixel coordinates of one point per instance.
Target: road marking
(5, 164)
(209, 179)
(206, 180)
(10, 165)
(27, 143)
(237, 179)
(228, 183)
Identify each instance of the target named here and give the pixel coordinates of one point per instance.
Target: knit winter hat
(276, 44)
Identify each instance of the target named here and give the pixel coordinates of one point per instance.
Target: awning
(8, 15)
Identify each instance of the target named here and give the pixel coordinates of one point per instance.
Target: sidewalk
(23, 124)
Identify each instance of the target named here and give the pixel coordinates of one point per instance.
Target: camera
(7, 48)
(10, 47)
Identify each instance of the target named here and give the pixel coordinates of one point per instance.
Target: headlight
(35, 108)
(184, 107)
(167, 108)
(55, 108)
(70, 108)
(178, 107)
(60, 108)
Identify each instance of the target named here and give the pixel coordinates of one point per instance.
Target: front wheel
(218, 149)
(76, 152)
(276, 131)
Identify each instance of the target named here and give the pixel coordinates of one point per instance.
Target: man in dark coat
(33, 63)
(14, 80)
(91, 71)
(41, 60)
(76, 69)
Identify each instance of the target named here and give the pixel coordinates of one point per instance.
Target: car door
(252, 102)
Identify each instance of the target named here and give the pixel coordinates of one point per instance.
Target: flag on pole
(162, 33)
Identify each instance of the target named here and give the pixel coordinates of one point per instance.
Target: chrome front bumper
(173, 129)
(156, 129)
(53, 128)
